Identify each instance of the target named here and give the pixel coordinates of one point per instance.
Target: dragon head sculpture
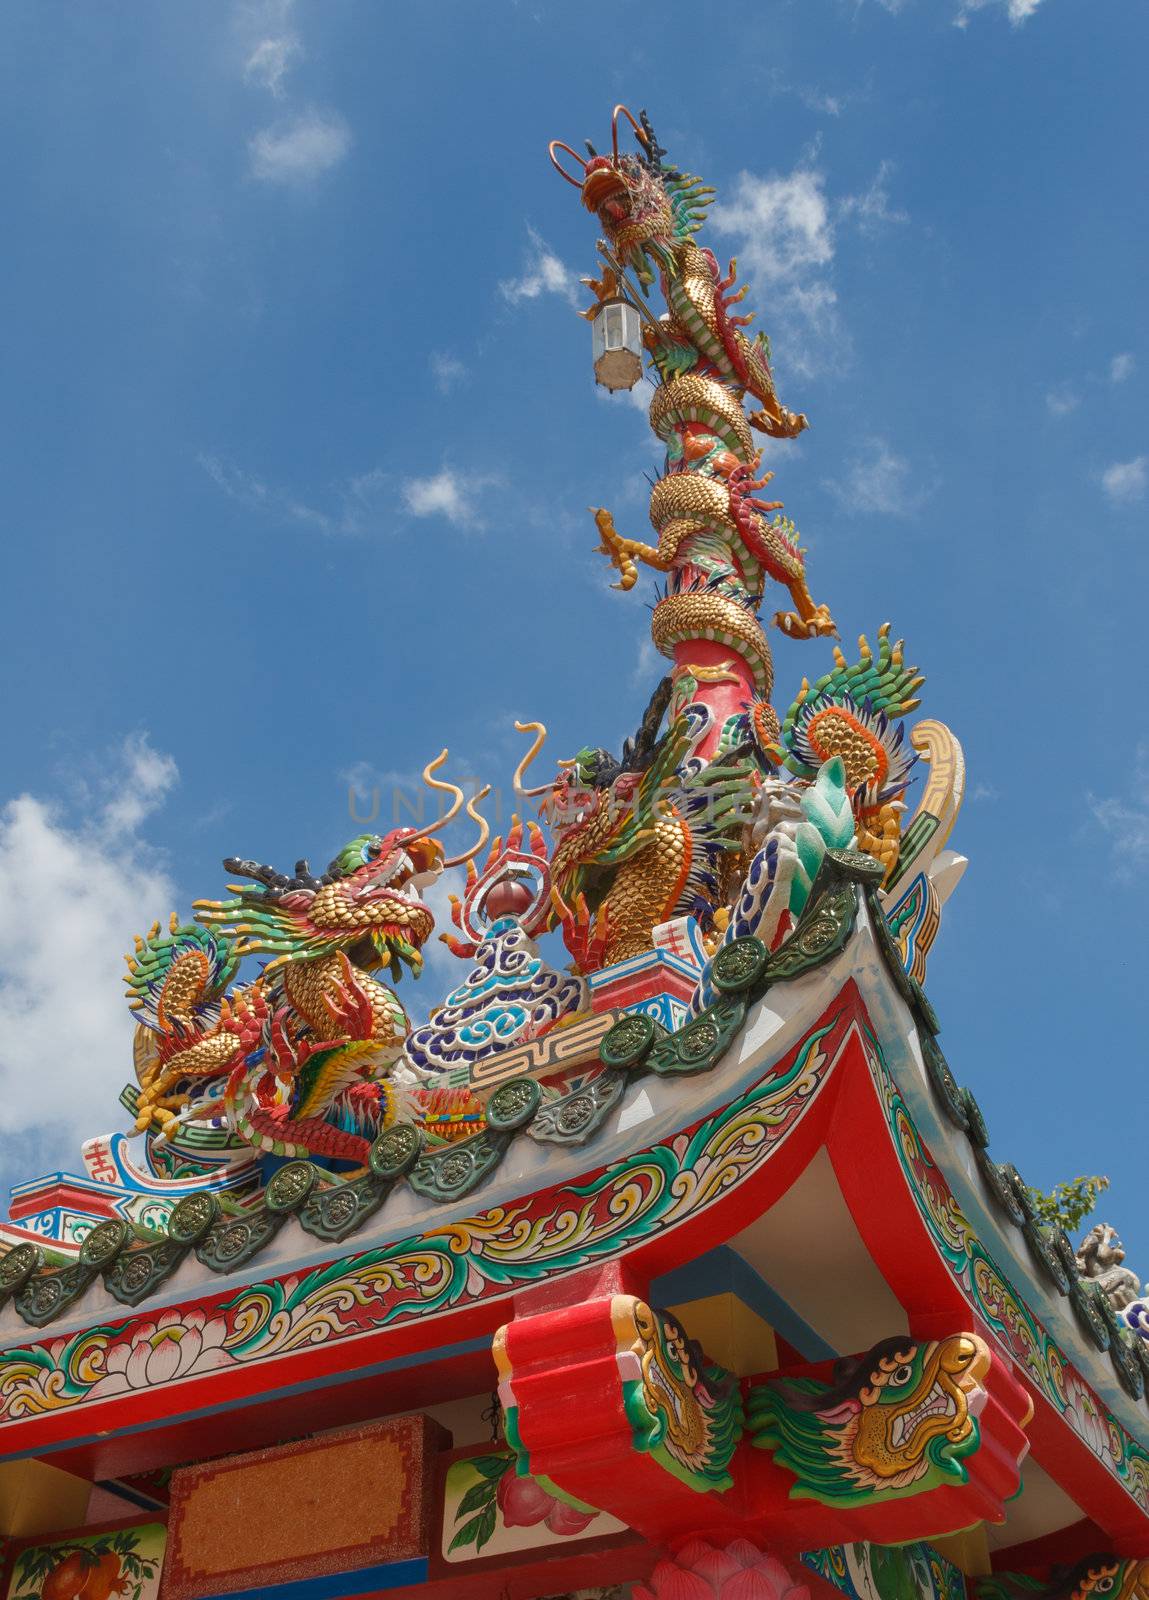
(1108, 1577)
(642, 205)
(367, 904)
(900, 1420)
(1097, 1577)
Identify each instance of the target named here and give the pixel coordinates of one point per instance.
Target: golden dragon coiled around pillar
(641, 839)
(717, 540)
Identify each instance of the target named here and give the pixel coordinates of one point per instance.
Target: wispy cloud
(1063, 400)
(449, 494)
(359, 504)
(1122, 367)
(305, 141)
(77, 882)
(299, 149)
(368, 503)
(872, 207)
(786, 227)
(1126, 818)
(1125, 481)
(814, 100)
(638, 399)
(447, 371)
(786, 243)
(269, 62)
(813, 97)
(786, 220)
(271, 43)
(543, 273)
(650, 667)
(1018, 11)
(442, 972)
(877, 481)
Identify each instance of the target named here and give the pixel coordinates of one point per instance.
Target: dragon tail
(176, 980)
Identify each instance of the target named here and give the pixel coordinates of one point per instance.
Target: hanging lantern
(617, 345)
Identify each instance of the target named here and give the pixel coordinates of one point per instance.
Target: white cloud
(444, 494)
(1062, 400)
(358, 510)
(75, 887)
(872, 207)
(786, 221)
(1125, 481)
(442, 971)
(785, 228)
(879, 482)
(650, 666)
(269, 41)
(299, 149)
(1127, 821)
(1018, 11)
(447, 370)
(543, 273)
(814, 100)
(638, 398)
(270, 60)
(785, 237)
(1122, 367)
(812, 97)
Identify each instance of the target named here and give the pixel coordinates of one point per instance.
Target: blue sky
(299, 430)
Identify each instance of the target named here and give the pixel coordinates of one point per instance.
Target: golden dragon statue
(298, 1059)
(717, 540)
(641, 839)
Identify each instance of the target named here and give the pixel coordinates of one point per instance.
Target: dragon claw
(820, 625)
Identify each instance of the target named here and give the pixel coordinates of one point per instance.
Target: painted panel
(358, 1498)
(489, 1511)
(120, 1563)
(884, 1572)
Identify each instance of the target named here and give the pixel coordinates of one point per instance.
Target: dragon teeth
(936, 1405)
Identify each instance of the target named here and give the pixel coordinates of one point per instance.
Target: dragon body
(296, 1059)
(716, 539)
(644, 840)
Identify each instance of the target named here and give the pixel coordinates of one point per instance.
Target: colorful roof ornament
(690, 1231)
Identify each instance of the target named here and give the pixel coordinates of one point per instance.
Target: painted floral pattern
(499, 1495)
(179, 1344)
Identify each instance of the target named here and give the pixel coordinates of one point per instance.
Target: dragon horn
(557, 144)
(640, 135)
(446, 788)
(257, 870)
(537, 743)
(484, 829)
